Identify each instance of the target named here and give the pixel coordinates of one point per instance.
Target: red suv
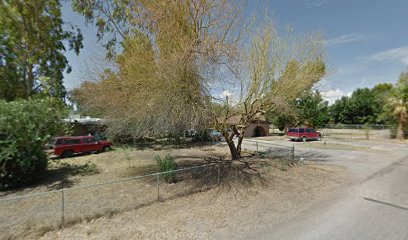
(304, 134)
(67, 146)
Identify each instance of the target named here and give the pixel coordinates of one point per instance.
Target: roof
(82, 120)
(235, 119)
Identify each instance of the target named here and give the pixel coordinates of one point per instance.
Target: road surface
(374, 207)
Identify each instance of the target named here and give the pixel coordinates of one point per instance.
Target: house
(85, 125)
(257, 128)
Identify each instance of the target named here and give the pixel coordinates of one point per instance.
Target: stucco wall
(250, 131)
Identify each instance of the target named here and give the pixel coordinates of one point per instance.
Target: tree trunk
(240, 138)
(286, 129)
(233, 149)
(30, 81)
(400, 131)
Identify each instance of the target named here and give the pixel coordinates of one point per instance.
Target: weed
(166, 164)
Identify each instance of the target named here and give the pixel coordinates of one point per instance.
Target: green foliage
(282, 120)
(363, 106)
(166, 164)
(111, 18)
(312, 109)
(202, 136)
(32, 48)
(25, 127)
(309, 109)
(397, 105)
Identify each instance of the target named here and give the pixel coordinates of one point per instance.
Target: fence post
(158, 188)
(218, 174)
(293, 152)
(62, 208)
(257, 151)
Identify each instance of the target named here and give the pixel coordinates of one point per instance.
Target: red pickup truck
(304, 134)
(67, 146)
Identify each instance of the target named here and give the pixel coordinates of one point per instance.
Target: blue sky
(367, 40)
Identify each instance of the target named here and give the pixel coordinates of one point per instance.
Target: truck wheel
(303, 139)
(106, 148)
(67, 153)
(319, 138)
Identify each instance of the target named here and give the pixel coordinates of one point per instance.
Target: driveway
(375, 206)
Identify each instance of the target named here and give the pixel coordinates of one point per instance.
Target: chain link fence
(351, 131)
(51, 210)
(358, 131)
(45, 211)
(287, 153)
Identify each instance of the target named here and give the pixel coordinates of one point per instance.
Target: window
(293, 130)
(308, 130)
(301, 130)
(72, 141)
(89, 140)
(56, 141)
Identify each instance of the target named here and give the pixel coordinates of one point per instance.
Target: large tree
(170, 53)
(32, 46)
(309, 110)
(362, 107)
(177, 54)
(312, 109)
(278, 69)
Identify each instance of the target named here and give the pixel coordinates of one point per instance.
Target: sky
(366, 40)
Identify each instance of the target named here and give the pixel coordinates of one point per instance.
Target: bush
(167, 164)
(202, 136)
(25, 127)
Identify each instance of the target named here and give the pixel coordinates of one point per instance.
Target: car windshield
(294, 130)
(55, 141)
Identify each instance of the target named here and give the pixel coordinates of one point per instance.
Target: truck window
(308, 130)
(72, 141)
(301, 130)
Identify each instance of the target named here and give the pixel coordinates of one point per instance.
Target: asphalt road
(374, 207)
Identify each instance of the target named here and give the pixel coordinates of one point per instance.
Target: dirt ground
(28, 217)
(193, 207)
(185, 207)
(220, 212)
(197, 206)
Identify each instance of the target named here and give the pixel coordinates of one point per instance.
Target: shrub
(167, 164)
(202, 136)
(25, 127)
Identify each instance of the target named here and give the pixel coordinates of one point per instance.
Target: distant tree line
(384, 104)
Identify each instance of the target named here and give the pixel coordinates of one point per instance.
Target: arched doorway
(259, 132)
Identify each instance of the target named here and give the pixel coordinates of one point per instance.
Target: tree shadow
(56, 178)
(163, 144)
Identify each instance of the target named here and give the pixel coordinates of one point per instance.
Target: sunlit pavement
(374, 207)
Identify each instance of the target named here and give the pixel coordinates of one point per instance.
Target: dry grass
(33, 217)
(222, 212)
(30, 216)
